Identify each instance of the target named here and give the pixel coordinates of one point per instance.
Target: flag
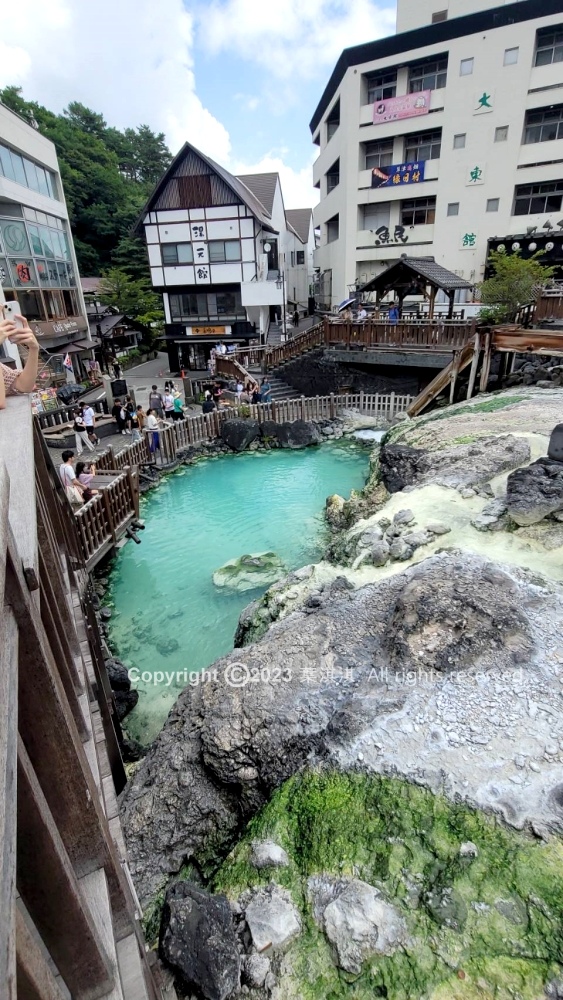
(67, 362)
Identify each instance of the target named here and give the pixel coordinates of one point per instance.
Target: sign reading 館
(395, 108)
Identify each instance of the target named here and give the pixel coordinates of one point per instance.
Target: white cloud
(293, 39)
(130, 59)
(297, 185)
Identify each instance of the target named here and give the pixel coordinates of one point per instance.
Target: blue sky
(240, 79)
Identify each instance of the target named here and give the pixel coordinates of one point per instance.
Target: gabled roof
(300, 221)
(239, 189)
(263, 186)
(416, 267)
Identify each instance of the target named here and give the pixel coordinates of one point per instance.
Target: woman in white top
(80, 435)
(152, 426)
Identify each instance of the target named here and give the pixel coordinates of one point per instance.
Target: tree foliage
(107, 176)
(133, 297)
(513, 283)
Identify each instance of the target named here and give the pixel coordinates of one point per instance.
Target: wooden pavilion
(417, 276)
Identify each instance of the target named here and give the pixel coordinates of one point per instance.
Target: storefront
(189, 347)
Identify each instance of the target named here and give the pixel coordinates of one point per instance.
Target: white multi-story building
(37, 259)
(224, 256)
(441, 138)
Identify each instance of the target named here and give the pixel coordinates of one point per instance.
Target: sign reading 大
(398, 174)
(395, 108)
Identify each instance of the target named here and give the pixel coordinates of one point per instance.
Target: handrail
(63, 414)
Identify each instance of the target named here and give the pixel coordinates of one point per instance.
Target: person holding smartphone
(15, 381)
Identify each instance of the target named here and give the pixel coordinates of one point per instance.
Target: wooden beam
(487, 353)
(474, 365)
(528, 341)
(51, 893)
(34, 976)
(454, 373)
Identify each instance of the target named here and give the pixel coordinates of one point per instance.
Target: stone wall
(318, 374)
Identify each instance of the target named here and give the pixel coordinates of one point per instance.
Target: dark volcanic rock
(458, 466)
(238, 434)
(297, 434)
(118, 675)
(198, 939)
(227, 745)
(535, 492)
(555, 450)
(125, 702)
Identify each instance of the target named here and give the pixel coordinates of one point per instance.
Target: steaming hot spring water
(169, 616)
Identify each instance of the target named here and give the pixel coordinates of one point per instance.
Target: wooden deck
(69, 924)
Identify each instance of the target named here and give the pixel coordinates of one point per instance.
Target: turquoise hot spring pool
(168, 614)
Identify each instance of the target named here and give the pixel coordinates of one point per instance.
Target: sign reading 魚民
(395, 108)
(398, 174)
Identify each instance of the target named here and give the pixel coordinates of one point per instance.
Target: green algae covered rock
(251, 571)
(479, 924)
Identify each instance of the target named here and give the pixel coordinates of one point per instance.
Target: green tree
(130, 255)
(513, 283)
(134, 298)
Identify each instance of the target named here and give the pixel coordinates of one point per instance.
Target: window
(538, 199)
(206, 305)
(493, 204)
(333, 176)
(428, 75)
(423, 146)
(23, 171)
(453, 208)
(177, 253)
(378, 154)
(418, 212)
(549, 46)
(375, 215)
(332, 229)
(544, 125)
(466, 67)
(31, 304)
(333, 121)
(221, 251)
(511, 56)
(71, 303)
(439, 15)
(300, 257)
(381, 86)
(459, 140)
(501, 133)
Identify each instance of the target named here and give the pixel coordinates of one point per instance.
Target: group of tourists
(77, 482)
(251, 392)
(84, 427)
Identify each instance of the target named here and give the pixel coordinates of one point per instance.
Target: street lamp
(280, 283)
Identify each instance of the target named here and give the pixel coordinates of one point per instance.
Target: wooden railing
(229, 366)
(69, 918)
(102, 521)
(65, 414)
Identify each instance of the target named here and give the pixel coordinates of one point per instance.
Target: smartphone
(12, 311)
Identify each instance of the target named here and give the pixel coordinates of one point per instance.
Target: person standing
(296, 318)
(89, 417)
(152, 426)
(394, 313)
(178, 411)
(80, 436)
(266, 390)
(155, 402)
(116, 414)
(168, 405)
(240, 390)
(141, 418)
(134, 424)
(362, 315)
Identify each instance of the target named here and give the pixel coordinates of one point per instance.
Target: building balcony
(260, 293)
(539, 152)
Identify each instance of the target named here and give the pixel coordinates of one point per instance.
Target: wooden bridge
(69, 924)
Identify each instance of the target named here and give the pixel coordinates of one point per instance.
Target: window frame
(555, 46)
(511, 62)
(556, 111)
(492, 201)
(381, 155)
(224, 259)
(531, 193)
(333, 221)
(468, 62)
(299, 257)
(416, 206)
(430, 138)
(459, 135)
(421, 72)
(332, 176)
(381, 86)
(498, 130)
(452, 204)
(168, 248)
(332, 121)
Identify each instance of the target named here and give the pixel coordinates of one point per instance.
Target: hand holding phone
(12, 312)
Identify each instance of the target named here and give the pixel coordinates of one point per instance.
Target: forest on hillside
(107, 176)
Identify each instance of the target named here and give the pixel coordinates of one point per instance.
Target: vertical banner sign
(395, 108)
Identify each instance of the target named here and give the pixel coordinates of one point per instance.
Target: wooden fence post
(303, 407)
(332, 407)
(391, 405)
(109, 515)
(361, 400)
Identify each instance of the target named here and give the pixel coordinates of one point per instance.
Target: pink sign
(395, 108)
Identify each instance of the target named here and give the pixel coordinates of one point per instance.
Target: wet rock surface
(451, 654)
(239, 434)
(197, 939)
(460, 466)
(535, 492)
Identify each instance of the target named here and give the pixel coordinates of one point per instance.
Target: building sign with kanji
(208, 331)
(398, 175)
(475, 175)
(468, 240)
(396, 108)
(384, 236)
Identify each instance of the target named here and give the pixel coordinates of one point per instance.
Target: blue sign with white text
(399, 174)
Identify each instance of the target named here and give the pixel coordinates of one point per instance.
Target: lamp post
(280, 283)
